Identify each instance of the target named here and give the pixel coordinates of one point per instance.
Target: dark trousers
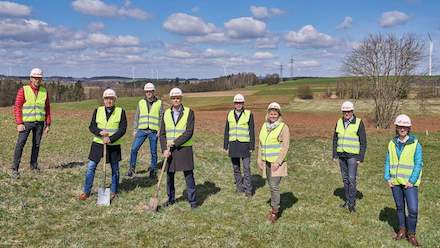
(242, 182)
(348, 172)
(410, 196)
(190, 187)
(37, 131)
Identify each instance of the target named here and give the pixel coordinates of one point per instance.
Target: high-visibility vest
(239, 130)
(270, 145)
(348, 139)
(173, 131)
(149, 119)
(34, 106)
(111, 125)
(401, 168)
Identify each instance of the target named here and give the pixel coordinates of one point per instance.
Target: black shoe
(131, 171)
(352, 209)
(344, 205)
(248, 194)
(194, 206)
(168, 203)
(152, 174)
(15, 174)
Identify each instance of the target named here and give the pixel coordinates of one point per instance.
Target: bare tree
(387, 63)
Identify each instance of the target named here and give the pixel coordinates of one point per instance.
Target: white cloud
(99, 8)
(101, 39)
(209, 38)
(261, 12)
(308, 36)
(185, 24)
(214, 53)
(69, 44)
(25, 30)
(308, 64)
(14, 9)
(179, 54)
(393, 18)
(245, 28)
(346, 23)
(96, 26)
(263, 55)
(269, 42)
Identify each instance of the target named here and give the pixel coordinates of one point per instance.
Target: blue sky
(200, 38)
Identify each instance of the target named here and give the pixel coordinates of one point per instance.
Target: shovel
(154, 201)
(104, 193)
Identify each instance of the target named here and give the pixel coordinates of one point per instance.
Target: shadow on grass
(287, 200)
(129, 184)
(257, 182)
(70, 165)
(203, 191)
(389, 215)
(341, 194)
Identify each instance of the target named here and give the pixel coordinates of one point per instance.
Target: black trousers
(190, 187)
(37, 131)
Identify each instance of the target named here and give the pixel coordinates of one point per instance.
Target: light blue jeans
(90, 175)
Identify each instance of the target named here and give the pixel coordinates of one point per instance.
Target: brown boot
(113, 196)
(272, 216)
(400, 234)
(412, 239)
(83, 196)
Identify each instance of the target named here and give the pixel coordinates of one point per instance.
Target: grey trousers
(37, 131)
(349, 172)
(242, 182)
(274, 185)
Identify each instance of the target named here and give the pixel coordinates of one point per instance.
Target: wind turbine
(431, 47)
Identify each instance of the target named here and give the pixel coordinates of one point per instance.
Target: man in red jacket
(32, 114)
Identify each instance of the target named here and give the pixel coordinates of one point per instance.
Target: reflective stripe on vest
(239, 130)
(348, 140)
(173, 131)
(111, 125)
(149, 120)
(270, 145)
(34, 106)
(401, 169)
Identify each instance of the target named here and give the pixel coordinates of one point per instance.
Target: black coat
(237, 149)
(182, 158)
(113, 152)
(362, 140)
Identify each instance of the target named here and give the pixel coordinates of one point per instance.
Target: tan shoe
(412, 239)
(272, 216)
(400, 234)
(83, 196)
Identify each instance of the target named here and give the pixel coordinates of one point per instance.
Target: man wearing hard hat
(403, 172)
(239, 139)
(176, 142)
(32, 114)
(349, 146)
(108, 125)
(146, 124)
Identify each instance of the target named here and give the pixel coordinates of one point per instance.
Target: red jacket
(20, 100)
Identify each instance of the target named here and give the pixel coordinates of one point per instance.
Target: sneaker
(83, 196)
(168, 203)
(15, 174)
(131, 171)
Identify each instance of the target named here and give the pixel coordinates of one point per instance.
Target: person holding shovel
(273, 147)
(146, 125)
(403, 172)
(32, 114)
(176, 133)
(108, 125)
(349, 146)
(239, 140)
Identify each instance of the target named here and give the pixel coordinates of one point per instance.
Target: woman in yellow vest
(403, 172)
(239, 139)
(176, 142)
(108, 125)
(274, 145)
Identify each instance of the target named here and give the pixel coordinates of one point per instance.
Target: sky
(203, 39)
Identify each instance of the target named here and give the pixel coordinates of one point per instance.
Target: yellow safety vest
(348, 140)
(149, 120)
(270, 145)
(34, 106)
(111, 125)
(239, 130)
(401, 169)
(173, 131)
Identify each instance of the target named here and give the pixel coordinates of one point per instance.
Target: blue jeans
(410, 196)
(90, 175)
(348, 172)
(139, 139)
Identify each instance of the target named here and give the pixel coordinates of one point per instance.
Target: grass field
(43, 210)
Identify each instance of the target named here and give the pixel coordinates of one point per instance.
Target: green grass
(43, 210)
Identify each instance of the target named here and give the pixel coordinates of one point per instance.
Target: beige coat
(284, 138)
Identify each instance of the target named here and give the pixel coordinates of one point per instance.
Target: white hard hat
(149, 87)
(176, 92)
(274, 105)
(403, 121)
(109, 93)
(239, 98)
(36, 72)
(347, 106)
